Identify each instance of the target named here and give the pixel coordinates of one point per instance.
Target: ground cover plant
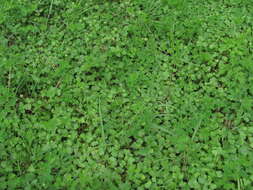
(122, 94)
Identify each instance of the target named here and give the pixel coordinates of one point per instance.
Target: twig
(196, 129)
(50, 10)
(101, 119)
(9, 79)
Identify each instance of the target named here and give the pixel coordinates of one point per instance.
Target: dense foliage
(121, 94)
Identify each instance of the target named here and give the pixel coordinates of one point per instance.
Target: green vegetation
(121, 94)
